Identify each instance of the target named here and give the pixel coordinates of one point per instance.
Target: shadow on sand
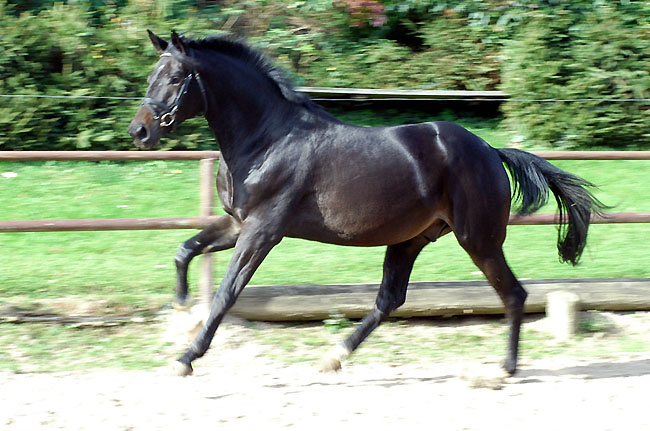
(598, 370)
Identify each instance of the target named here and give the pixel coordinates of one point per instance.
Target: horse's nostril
(141, 133)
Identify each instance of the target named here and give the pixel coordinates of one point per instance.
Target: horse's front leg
(255, 241)
(221, 235)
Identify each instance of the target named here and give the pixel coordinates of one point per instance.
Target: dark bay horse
(288, 168)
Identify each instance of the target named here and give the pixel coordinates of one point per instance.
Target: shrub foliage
(599, 54)
(552, 49)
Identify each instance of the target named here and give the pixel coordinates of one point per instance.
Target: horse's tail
(533, 177)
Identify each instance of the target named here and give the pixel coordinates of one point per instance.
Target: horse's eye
(175, 80)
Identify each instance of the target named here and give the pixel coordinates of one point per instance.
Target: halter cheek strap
(165, 114)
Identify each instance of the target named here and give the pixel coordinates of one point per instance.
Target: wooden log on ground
(318, 302)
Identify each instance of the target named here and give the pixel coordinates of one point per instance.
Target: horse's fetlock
(182, 254)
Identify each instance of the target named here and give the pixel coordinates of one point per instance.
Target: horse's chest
(252, 190)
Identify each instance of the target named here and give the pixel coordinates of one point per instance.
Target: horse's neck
(248, 118)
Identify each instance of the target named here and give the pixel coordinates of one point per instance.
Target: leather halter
(166, 114)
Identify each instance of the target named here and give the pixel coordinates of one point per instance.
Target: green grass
(49, 348)
(132, 266)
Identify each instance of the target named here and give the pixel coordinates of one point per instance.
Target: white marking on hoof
(178, 307)
(332, 360)
(329, 365)
(181, 370)
(190, 302)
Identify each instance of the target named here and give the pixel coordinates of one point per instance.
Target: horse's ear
(178, 43)
(159, 44)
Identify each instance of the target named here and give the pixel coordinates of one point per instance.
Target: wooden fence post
(206, 205)
(562, 312)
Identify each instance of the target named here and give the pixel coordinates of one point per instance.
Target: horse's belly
(362, 222)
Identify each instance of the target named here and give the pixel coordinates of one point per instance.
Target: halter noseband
(165, 114)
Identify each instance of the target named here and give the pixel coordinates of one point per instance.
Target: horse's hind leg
(488, 256)
(221, 235)
(398, 264)
(513, 296)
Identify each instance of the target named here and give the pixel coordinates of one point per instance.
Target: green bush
(533, 50)
(460, 56)
(62, 51)
(602, 54)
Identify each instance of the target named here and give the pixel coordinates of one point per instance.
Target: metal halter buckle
(167, 119)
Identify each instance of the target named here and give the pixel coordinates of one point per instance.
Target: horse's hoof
(330, 365)
(332, 361)
(510, 367)
(181, 370)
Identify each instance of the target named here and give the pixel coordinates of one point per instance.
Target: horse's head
(175, 92)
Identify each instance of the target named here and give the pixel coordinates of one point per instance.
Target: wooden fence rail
(200, 222)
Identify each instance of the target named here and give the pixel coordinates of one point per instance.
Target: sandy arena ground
(236, 387)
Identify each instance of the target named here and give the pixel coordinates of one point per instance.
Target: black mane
(238, 48)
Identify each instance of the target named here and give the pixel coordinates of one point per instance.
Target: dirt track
(237, 387)
(546, 395)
